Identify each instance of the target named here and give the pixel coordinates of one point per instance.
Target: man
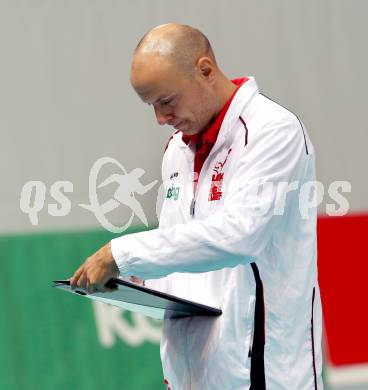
(233, 235)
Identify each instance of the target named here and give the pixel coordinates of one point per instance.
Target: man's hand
(92, 275)
(134, 279)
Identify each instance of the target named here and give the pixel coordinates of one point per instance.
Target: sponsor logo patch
(173, 192)
(217, 178)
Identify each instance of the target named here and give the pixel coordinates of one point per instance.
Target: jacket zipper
(192, 206)
(194, 199)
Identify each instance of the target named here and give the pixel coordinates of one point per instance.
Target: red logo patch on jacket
(217, 178)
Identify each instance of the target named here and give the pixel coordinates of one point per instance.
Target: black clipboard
(134, 297)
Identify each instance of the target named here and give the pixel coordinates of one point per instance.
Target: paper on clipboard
(134, 297)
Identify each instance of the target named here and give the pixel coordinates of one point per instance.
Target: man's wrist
(119, 256)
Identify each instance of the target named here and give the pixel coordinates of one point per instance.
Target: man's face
(185, 102)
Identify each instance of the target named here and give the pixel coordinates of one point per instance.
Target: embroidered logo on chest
(173, 192)
(217, 178)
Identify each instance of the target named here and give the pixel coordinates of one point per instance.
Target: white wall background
(65, 97)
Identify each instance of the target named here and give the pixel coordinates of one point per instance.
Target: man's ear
(206, 69)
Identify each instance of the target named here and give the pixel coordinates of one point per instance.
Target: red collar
(209, 135)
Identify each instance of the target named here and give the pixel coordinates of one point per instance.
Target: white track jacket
(245, 243)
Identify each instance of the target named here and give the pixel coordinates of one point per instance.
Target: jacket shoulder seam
(296, 116)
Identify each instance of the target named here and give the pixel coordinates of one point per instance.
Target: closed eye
(169, 100)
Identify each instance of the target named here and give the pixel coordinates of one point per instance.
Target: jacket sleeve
(241, 230)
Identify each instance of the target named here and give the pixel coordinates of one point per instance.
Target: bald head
(180, 44)
(174, 70)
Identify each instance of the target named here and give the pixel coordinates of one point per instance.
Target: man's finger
(74, 279)
(82, 281)
(90, 288)
(134, 279)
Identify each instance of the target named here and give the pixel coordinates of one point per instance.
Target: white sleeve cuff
(120, 256)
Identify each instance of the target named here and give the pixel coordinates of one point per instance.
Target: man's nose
(162, 117)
